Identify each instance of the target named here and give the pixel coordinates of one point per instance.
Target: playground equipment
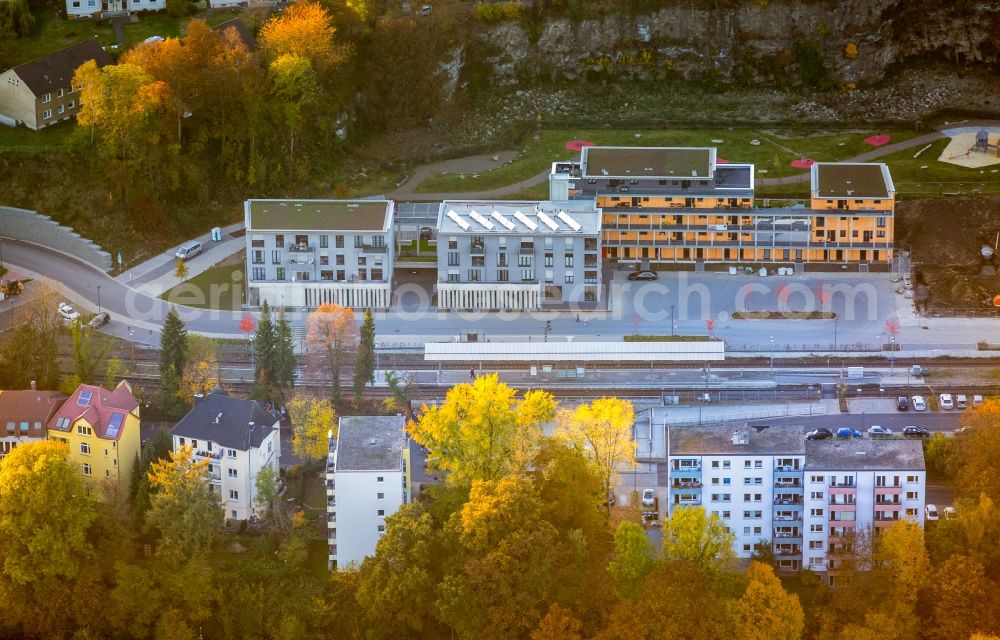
(982, 144)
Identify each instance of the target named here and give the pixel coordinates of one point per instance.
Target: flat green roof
(320, 215)
(851, 180)
(647, 162)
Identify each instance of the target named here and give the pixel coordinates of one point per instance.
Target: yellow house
(101, 428)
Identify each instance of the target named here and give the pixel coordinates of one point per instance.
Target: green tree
(16, 20)
(482, 431)
(173, 363)
(30, 351)
(295, 89)
(184, 512)
(313, 419)
(45, 514)
(633, 560)
(89, 352)
(264, 351)
(267, 490)
(766, 611)
(364, 364)
(939, 456)
(693, 536)
(401, 387)
(284, 354)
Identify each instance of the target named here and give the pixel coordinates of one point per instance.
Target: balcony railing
(372, 248)
(788, 500)
(301, 248)
(687, 484)
(843, 485)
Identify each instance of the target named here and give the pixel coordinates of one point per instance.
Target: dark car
(642, 275)
(819, 434)
(916, 432)
(902, 403)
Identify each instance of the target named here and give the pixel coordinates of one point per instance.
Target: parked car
(977, 401)
(919, 404)
(819, 434)
(642, 275)
(948, 513)
(99, 320)
(916, 432)
(67, 312)
(876, 430)
(931, 512)
(425, 10)
(961, 401)
(847, 432)
(945, 401)
(188, 251)
(902, 403)
(648, 497)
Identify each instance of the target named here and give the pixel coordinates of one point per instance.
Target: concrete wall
(31, 226)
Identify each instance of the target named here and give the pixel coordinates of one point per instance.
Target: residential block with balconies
(517, 255)
(672, 204)
(854, 485)
(751, 478)
(367, 480)
(304, 253)
(239, 438)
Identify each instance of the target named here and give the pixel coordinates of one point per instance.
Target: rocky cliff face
(836, 42)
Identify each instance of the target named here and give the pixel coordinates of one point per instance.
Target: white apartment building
(304, 253)
(92, 8)
(750, 477)
(368, 479)
(518, 255)
(855, 485)
(240, 438)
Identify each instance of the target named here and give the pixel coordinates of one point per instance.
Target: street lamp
(98, 299)
(892, 353)
(772, 355)
(835, 332)
(673, 323)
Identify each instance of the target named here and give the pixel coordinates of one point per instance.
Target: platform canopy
(583, 352)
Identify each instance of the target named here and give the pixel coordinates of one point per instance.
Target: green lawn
(51, 34)
(152, 25)
(23, 139)
(538, 154)
(220, 287)
(939, 177)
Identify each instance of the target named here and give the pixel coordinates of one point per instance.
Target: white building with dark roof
(240, 438)
(858, 484)
(304, 253)
(518, 255)
(367, 481)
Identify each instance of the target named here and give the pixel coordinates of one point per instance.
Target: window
(758, 464)
(232, 473)
(376, 273)
(233, 513)
(727, 481)
(816, 512)
(569, 278)
(815, 544)
(280, 274)
(725, 464)
(258, 257)
(275, 257)
(61, 108)
(746, 532)
(362, 261)
(339, 259)
(359, 242)
(817, 479)
(381, 512)
(503, 275)
(549, 260)
(234, 494)
(85, 448)
(715, 464)
(475, 275)
(84, 430)
(912, 495)
(381, 496)
(911, 478)
(87, 470)
(568, 260)
(911, 513)
(726, 514)
(746, 464)
(258, 273)
(453, 276)
(527, 274)
(816, 528)
(380, 479)
(381, 528)
(715, 481)
(231, 454)
(816, 495)
(501, 259)
(479, 261)
(324, 242)
(452, 258)
(61, 93)
(46, 97)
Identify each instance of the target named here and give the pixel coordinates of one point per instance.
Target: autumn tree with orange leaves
(330, 333)
(305, 30)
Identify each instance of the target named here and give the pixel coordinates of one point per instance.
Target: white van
(960, 401)
(189, 250)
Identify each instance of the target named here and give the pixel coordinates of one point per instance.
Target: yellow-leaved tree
(305, 29)
(313, 419)
(482, 431)
(330, 332)
(183, 509)
(602, 431)
(691, 535)
(766, 611)
(201, 371)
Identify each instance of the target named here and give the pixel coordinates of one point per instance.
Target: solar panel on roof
(525, 220)
(115, 424)
(84, 399)
(458, 220)
(568, 219)
(547, 221)
(481, 220)
(502, 219)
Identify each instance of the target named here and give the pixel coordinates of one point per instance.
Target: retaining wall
(31, 226)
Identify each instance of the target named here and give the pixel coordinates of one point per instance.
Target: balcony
(846, 524)
(686, 484)
(215, 479)
(374, 248)
(686, 468)
(787, 550)
(301, 254)
(527, 251)
(687, 502)
(787, 484)
(788, 517)
(842, 489)
(842, 506)
(892, 491)
(330, 488)
(477, 248)
(214, 455)
(788, 499)
(784, 468)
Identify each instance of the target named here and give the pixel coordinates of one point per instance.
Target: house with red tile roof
(24, 416)
(101, 429)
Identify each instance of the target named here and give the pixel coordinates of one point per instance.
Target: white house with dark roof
(304, 253)
(240, 438)
(41, 92)
(368, 480)
(518, 255)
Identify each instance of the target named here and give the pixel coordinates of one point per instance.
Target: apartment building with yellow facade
(101, 429)
(665, 205)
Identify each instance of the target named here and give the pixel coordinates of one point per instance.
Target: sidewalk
(164, 264)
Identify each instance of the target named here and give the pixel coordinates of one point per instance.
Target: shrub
(499, 11)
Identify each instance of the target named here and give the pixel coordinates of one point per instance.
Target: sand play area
(963, 150)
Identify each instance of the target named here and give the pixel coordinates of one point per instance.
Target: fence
(31, 226)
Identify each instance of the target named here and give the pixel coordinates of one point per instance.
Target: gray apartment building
(304, 253)
(518, 255)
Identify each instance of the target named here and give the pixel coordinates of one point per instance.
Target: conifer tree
(284, 354)
(173, 359)
(364, 367)
(263, 350)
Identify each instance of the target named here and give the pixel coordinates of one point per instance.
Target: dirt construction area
(945, 238)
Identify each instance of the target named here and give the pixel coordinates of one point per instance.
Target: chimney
(34, 387)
